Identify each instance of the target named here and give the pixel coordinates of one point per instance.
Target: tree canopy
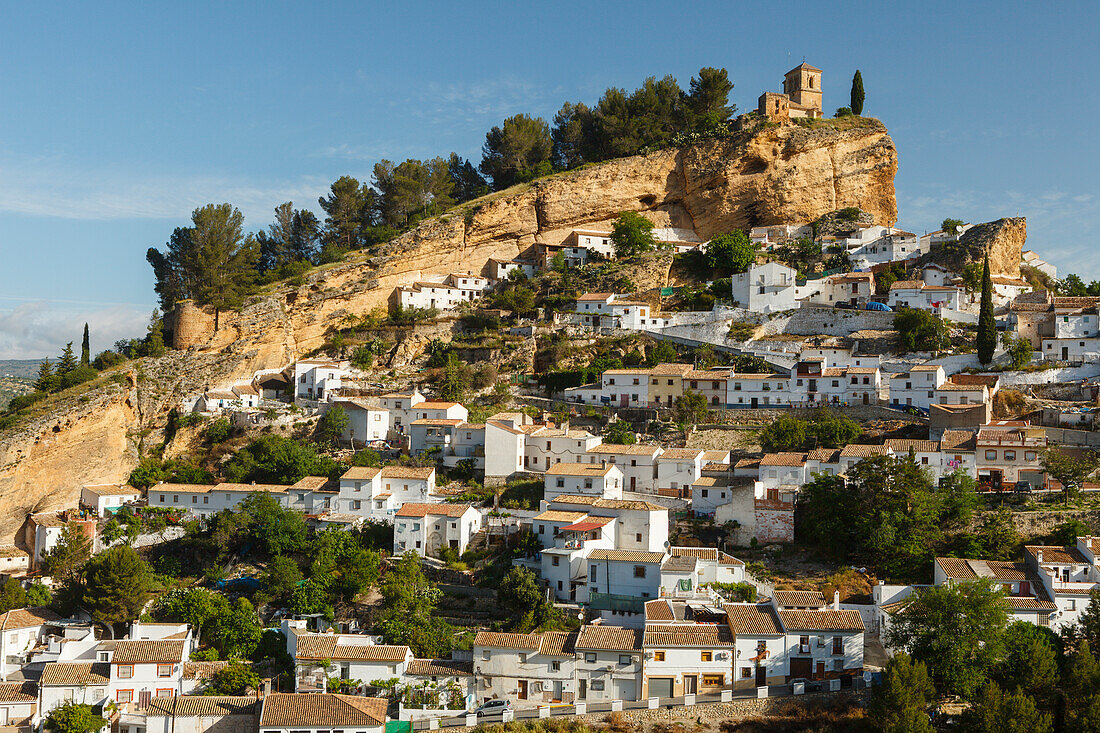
(987, 327)
(517, 151)
(730, 253)
(632, 235)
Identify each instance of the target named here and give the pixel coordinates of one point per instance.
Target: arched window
(811, 82)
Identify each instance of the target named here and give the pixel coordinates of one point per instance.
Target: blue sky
(119, 119)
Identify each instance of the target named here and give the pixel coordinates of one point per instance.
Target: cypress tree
(857, 94)
(86, 348)
(987, 327)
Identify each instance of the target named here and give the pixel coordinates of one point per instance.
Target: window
(637, 536)
(593, 575)
(991, 455)
(555, 561)
(206, 500)
(1010, 455)
(162, 498)
(746, 673)
(588, 483)
(165, 692)
(658, 656)
(125, 671)
(164, 670)
(542, 528)
(596, 685)
(124, 696)
(624, 659)
(1030, 455)
(561, 483)
(590, 657)
(555, 666)
(706, 656)
(485, 655)
(838, 645)
(714, 680)
(639, 571)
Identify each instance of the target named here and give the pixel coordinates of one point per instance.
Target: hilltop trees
(517, 151)
(857, 93)
(213, 261)
(987, 326)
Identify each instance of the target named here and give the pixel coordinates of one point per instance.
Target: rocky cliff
(772, 174)
(1002, 241)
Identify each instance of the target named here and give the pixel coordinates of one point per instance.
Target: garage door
(802, 667)
(627, 691)
(660, 687)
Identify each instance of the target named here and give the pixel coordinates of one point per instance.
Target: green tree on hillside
(995, 711)
(517, 151)
(520, 594)
(857, 93)
(86, 348)
(919, 330)
(730, 253)
(67, 361)
(409, 599)
(116, 585)
(466, 182)
(345, 207)
(413, 189)
(632, 235)
(956, 630)
(64, 561)
(951, 226)
(74, 717)
(333, 424)
(987, 327)
(1070, 470)
(898, 704)
(707, 101)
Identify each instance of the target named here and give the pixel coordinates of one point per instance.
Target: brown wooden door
(522, 690)
(761, 675)
(820, 674)
(802, 667)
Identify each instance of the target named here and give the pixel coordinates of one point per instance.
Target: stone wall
(1050, 376)
(811, 321)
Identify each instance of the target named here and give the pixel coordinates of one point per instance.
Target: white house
(525, 668)
(402, 407)
(141, 669)
(609, 663)
(425, 528)
(678, 468)
(766, 288)
(687, 659)
(368, 420)
(353, 657)
(201, 713)
(84, 683)
(546, 445)
(318, 380)
(632, 573)
(587, 479)
(916, 387)
(446, 293)
(638, 463)
(107, 499)
(502, 269)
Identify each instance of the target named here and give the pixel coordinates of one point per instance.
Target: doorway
(761, 675)
(802, 667)
(633, 482)
(820, 674)
(691, 684)
(582, 689)
(522, 695)
(660, 687)
(557, 690)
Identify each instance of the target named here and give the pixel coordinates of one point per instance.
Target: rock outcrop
(769, 175)
(1002, 241)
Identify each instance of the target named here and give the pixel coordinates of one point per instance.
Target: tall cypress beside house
(86, 348)
(987, 327)
(857, 94)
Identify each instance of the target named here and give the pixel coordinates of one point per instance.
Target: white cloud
(49, 187)
(38, 329)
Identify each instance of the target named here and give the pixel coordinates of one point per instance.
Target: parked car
(845, 305)
(876, 306)
(1023, 487)
(493, 707)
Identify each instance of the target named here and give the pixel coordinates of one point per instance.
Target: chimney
(1039, 556)
(836, 600)
(265, 688)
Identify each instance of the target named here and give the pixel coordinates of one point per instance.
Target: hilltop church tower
(802, 85)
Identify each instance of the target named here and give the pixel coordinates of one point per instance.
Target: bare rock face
(1002, 241)
(773, 175)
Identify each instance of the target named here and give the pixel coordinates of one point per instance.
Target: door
(755, 401)
(633, 482)
(761, 675)
(582, 689)
(820, 674)
(866, 398)
(802, 667)
(1065, 353)
(625, 399)
(660, 687)
(691, 684)
(522, 690)
(557, 690)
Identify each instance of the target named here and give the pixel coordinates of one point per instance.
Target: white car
(493, 707)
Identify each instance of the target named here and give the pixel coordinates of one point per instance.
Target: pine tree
(46, 381)
(86, 348)
(67, 361)
(857, 93)
(987, 327)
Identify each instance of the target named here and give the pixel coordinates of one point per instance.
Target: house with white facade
(687, 659)
(916, 387)
(526, 668)
(453, 440)
(368, 420)
(105, 499)
(638, 464)
(501, 269)
(547, 444)
(402, 408)
(852, 288)
(678, 468)
(920, 295)
(767, 288)
(352, 657)
(606, 311)
(1026, 596)
(426, 528)
(876, 245)
(603, 481)
(609, 663)
(1010, 451)
(444, 294)
(318, 380)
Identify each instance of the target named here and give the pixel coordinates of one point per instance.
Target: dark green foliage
(218, 431)
(826, 429)
(22, 401)
(409, 599)
(663, 352)
(72, 717)
(619, 433)
(116, 585)
(522, 596)
(632, 235)
(995, 711)
(86, 348)
(230, 627)
(919, 330)
(951, 226)
(106, 359)
(1019, 349)
(64, 561)
(843, 112)
(516, 298)
(333, 424)
(151, 471)
(409, 191)
(454, 383)
(691, 408)
(886, 514)
(956, 630)
(1068, 470)
(899, 704)
(12, 595)
(857, 95)
(1066, 533)
(519, 150)
(467, 183)
(730, 253)
(958, 497)
(275, 459)
(1031, 662)
(987, 327)
(235, 679)
(366, 457)
(995, 538)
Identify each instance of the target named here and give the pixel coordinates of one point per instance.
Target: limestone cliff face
(771, 175)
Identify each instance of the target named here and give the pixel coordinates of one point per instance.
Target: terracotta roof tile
(75, 674)
(609, 638)
(508, 641)
(783, 459)
(361, 473)
(687, 635)
(902, 445)
(130, 651)
(627, 556)
(558, 643)
(25, 618)
(799, 598)
(681, 454)
(658, 610)
(202, 706)
(551, 515)
(440, 668)
(857, 450)
(18, 692)
(314, 710)
(438, 510)
(821, 620)
(751, 618)
(407, 472)
(202, 670)
(579, 469)
(1057, 554)
(626, 450)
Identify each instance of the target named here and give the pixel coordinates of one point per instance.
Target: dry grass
(841, 714)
